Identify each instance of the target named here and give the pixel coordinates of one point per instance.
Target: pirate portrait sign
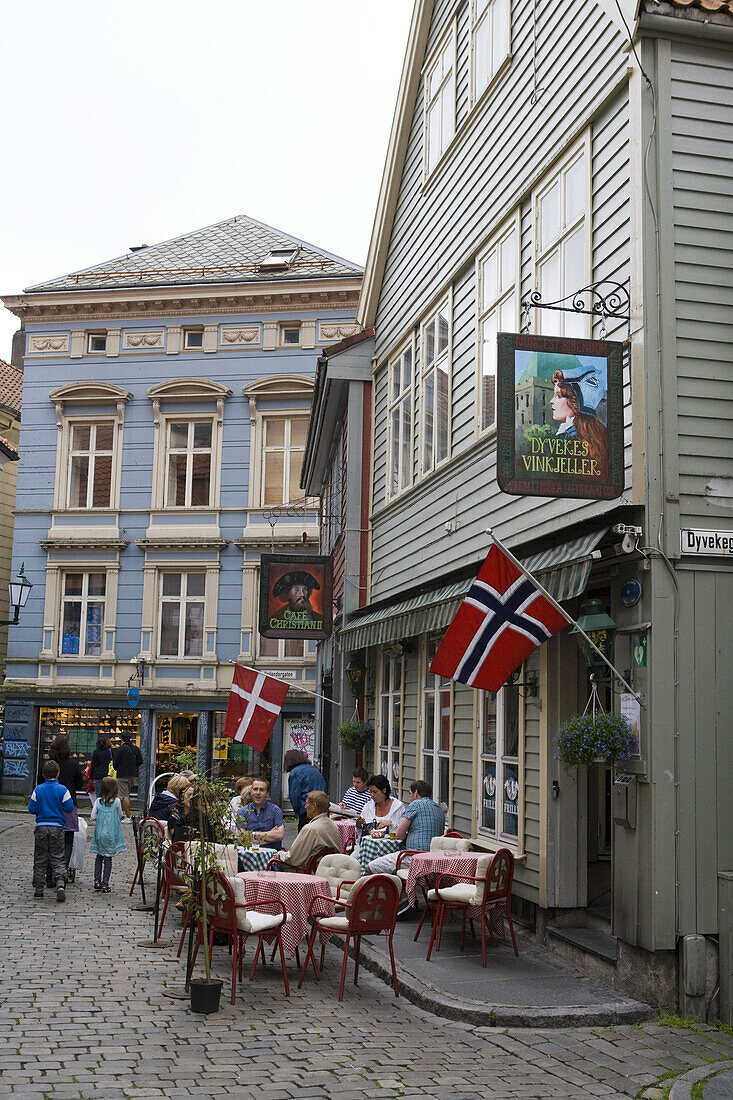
(295, 596)
(560, 417)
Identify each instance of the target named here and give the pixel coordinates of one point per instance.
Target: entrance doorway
(599, 841)
(174, 733)
(299, 732)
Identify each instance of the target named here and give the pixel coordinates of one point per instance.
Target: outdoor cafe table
(370, 847)
(426, 866)
(251, 860)
(296, 891)
(347, 831)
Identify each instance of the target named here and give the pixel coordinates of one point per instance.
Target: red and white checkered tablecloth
(347, 832)
(426, 866)
(296, 892)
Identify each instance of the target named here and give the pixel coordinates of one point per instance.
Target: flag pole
(563, 612)
(292, 683)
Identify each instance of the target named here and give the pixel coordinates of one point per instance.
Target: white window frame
(436, 693)
(68, 401)
(189, 451)
(92, 453)
(290, 326)
(390, 718)
(498, 309)
(429, 432)
(498, 835)
(443, 58)
(183, 600)
(556, 322)
(292, 494)
(279, 257)
(405, 458)
(187, 345)
(483, 22)
(84, 599)
(165, 397)
(282, 645)
(91, 337)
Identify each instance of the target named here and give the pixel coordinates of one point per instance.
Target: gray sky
(131, 123)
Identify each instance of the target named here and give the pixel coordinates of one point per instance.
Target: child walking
(48, 802)
(108, 840)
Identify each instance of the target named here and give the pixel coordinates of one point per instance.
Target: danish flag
(502, 619)
(254, 704)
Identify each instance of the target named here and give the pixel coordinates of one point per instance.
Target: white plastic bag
(76, 863)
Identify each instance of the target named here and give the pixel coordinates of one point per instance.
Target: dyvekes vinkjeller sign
(559, 417)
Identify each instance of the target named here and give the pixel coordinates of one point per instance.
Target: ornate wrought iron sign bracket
(604, 299)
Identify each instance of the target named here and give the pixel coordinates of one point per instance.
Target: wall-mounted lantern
(19, 592)
(601, 629)
(356, 675)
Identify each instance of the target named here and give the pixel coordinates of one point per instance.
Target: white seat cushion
(449, 844)
(403, 874)
(226, 856)
(338, 924)
(464, 892)
(338, 868)
(253, 920)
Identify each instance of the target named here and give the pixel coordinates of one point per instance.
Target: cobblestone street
(84, 1015)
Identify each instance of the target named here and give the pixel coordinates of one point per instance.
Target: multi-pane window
(435, 369)
(182, 614)
(561, 245)
(499, 795)
(436, 728)
(188, 457)
(82, 614)
(490, 37)
(283, 457)
(281, 647)
(497, 297)
(440, 105)
(400, 422)
(90, 465)
(390, 717)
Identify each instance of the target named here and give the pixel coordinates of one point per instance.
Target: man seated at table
(358, 793)
(422, 820)
(320, 832)
(262, 817)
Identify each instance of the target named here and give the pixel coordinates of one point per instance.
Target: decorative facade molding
(336, 330)
(53, 343)
(188, 389)
(249, 335)
(89, 393)
(144, 340)
(176, 542)
(82, 542)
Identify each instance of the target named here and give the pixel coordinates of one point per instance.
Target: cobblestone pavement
(83, 1016)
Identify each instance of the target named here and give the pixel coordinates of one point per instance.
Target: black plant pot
(205, 996)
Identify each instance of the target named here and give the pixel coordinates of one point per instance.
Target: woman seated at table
(241, 800)
(382, 811)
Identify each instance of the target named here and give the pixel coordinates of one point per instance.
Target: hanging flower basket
(354, 734)
(585, 738)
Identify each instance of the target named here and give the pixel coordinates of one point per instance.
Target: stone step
(590, 940)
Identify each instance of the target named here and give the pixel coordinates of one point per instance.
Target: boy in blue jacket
(49, 802)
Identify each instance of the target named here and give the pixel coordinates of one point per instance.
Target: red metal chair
(150, 836)
(491, 893)
(239, 921)
(307, 869)
(371, 910)
(453, 833)
(175, 870)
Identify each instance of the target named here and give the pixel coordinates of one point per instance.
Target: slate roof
(11, 386)
(227, 252)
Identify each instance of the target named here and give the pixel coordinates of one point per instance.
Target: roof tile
(11, 386)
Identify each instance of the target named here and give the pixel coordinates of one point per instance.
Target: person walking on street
(303, 778)
(108, 840)
(70, 777)
(101, 760)
(49, 802)
(127, 760)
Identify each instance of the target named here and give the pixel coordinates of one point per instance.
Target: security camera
(631, 536)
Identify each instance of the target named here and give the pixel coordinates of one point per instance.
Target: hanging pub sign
(295, 596)
(560, 417)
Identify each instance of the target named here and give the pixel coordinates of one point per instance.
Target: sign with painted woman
(560, 417)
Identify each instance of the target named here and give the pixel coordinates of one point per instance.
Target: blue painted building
(166, 396)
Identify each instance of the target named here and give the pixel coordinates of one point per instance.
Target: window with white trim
(91, 447)
(490, 40)
(436, 728)
(181, 625)
(435, 376)
(400, 422)
(561, 234)
(281, 647)
(96, 343)
(389, 719)
(500, 797)
(498, 298)
(283, 451)
(82, 614)
(440, 104)
(188, 463)
(193, 339)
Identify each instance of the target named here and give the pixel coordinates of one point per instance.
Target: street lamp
(601, 629)
(356, 675)
(19, 592)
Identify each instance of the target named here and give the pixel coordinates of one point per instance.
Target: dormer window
(278, 258)
(97, 343)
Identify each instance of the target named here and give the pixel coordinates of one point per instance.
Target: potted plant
(353, 733)
(586, 738)
(210, 813)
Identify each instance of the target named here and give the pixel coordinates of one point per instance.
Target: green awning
(562, 570)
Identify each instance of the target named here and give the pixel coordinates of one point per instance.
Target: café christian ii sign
(295, 596)
(560, 417)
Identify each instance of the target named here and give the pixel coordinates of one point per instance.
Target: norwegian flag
(254, 704)
(501, 620)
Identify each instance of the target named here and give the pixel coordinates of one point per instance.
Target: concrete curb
(486, 1015)
(682, 1088)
